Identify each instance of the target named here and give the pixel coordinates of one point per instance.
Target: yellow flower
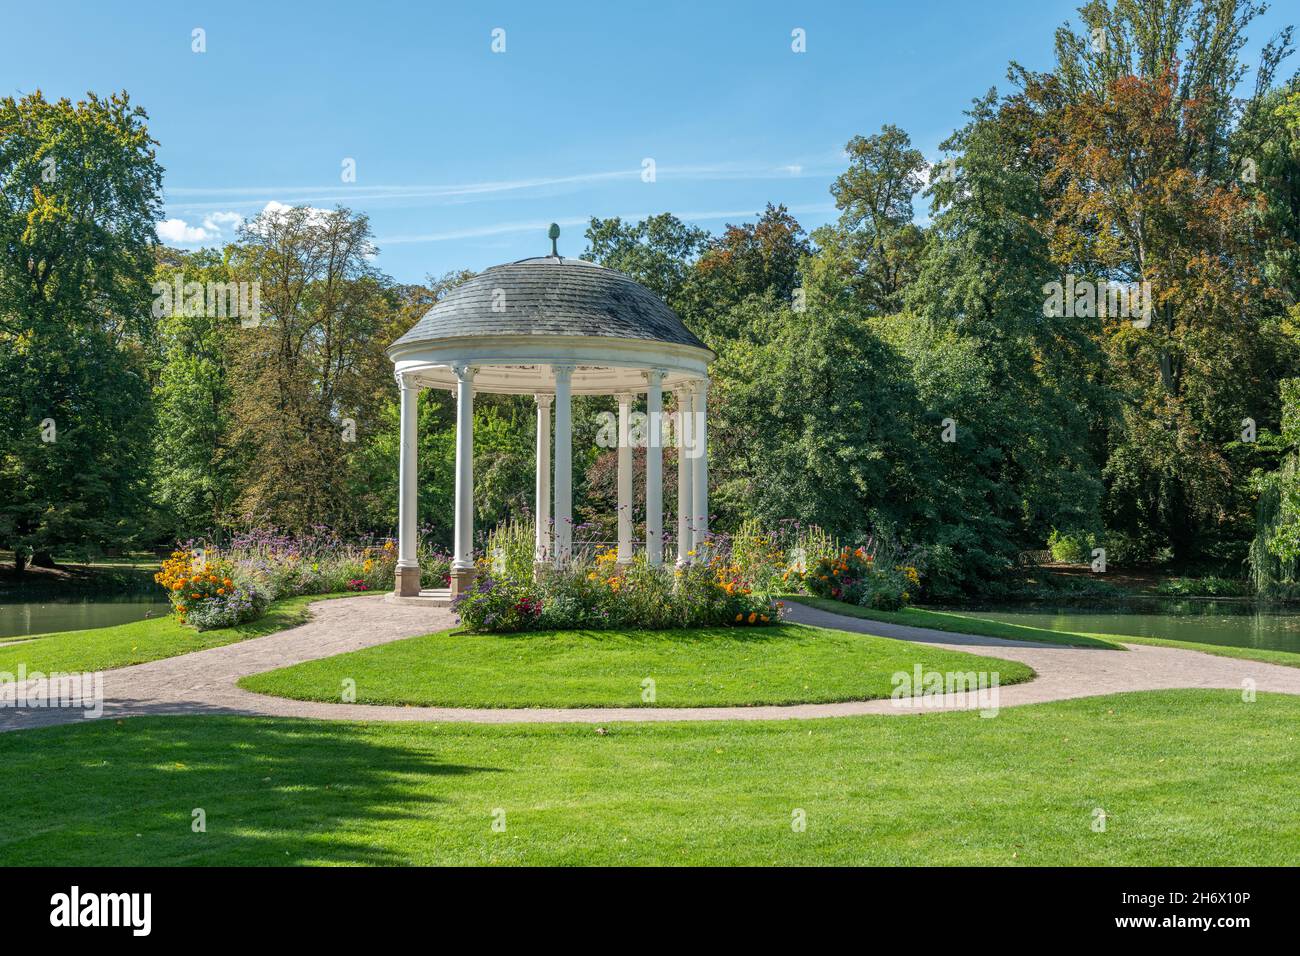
(738, 617)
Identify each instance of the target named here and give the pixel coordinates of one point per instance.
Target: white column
(408, 565)
(654, 468)
(685, 404)
(563, 464)
(624, 478)
(543, 497)
(700, 466)
(463, 560)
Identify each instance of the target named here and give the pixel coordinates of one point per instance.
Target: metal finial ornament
(554, 234)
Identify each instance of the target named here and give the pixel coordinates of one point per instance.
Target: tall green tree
(311, 372)
(1137, 122)
(192, 475)
(870, 256)
(79, 196)
(1011, 381)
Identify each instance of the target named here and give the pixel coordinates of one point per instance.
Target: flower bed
(600, 594)
(221, 587)
(860, 577)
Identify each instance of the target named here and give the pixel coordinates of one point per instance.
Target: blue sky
(464, 155)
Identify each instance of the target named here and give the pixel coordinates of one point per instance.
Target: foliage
(805, 425)
(512, 549)
(600, 594)
(1209, 586)
(213, 586)
(312, 368)
(79, 195)
(1073, 547)
(869, 258)
(869, 576)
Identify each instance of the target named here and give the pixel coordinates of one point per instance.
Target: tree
(657, 252)
(1012, 381)
(79, 198)
(192, 475)
(1136, 125)
(871, 255)
(811, 425)
(760, 259)
(312, 375)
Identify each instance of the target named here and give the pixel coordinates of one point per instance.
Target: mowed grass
(954, 621)
(1183, 778)
(103, 648)
(1266, 655)
(784, 664)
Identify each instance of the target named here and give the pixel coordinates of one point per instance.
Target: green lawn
(1286, 658)
(1184, 778)
(103, 648)
(957, 623)
(954, 621)
(783, 664)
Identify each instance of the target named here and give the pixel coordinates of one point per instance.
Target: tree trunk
(20, 561)
(43, 559)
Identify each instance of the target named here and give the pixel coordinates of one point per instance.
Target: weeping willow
(1273, 566)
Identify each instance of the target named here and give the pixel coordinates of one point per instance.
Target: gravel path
(204, 682)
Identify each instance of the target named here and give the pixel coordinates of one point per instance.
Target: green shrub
(511, 549)
(1074, 547)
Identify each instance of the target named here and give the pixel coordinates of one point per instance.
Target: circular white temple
(555, 327)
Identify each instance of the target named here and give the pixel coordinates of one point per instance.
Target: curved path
(204, 682)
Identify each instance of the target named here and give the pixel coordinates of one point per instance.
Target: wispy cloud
(501, 228)
(198, 198)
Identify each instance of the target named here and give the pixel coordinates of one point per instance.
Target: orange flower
(738, 618)
(753, 616)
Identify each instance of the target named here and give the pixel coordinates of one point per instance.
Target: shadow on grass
(911, 624)
(125, 792)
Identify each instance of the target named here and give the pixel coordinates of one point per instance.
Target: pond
(20, 618)
(1231, 623)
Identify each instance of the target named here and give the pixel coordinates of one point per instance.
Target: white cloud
(179, 232)
(214, 228)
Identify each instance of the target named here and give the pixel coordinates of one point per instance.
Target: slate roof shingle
(552, 296)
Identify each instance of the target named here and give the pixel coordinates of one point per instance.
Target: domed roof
(551, 295)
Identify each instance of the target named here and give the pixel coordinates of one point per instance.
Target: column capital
(563, 373)
(464, 371)
(405, 380)
(625, 398)
(544, 399)
(655, 376)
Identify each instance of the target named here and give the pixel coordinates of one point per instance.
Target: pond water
(1231, 623)
(19, 618)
